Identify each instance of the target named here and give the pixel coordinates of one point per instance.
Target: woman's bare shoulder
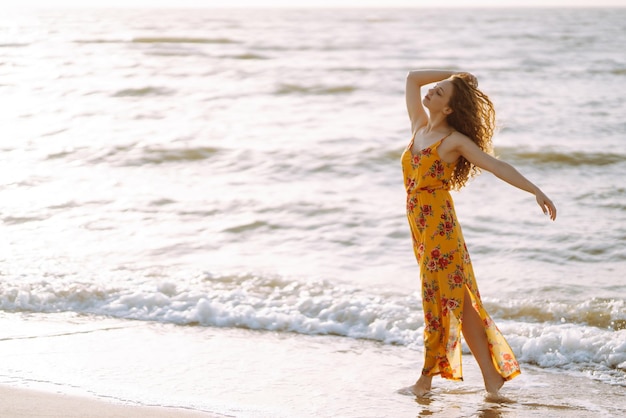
(457, 139)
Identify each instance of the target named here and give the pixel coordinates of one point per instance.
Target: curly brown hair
(475, 117)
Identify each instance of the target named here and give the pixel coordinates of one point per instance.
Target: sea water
(200, 198)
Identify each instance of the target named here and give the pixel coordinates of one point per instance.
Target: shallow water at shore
(245, 373)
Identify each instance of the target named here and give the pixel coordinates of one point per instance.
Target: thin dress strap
(433, 144)
(413, 137)
(449, 133)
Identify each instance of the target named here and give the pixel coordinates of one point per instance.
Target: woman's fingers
(547, 206)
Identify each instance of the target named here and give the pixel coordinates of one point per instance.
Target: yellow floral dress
(445, 267)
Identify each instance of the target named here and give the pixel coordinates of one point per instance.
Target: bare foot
(494, 384)
(422, 386)
(498, 399)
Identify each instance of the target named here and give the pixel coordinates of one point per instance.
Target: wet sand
(19, 403)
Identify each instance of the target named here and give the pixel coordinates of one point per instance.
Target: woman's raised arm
(414, 81)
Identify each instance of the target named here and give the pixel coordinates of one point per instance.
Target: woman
(450, 143)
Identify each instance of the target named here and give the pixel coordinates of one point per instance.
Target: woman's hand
(545, 204)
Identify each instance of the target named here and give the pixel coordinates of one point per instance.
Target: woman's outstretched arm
(472, 153)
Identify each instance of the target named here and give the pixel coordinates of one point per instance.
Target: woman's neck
(437, 124)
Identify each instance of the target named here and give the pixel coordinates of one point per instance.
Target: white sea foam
(322, 308)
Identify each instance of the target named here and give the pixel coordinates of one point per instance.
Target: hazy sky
(309, 3)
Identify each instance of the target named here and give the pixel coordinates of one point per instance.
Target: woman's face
(438, 97)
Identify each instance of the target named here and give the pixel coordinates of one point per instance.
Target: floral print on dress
(429, 292)
(415, 160)
(438, 261)
(436, 170)
(456, 279)
(449, 305)
(445, 268)
(410, 184)
(433, 323)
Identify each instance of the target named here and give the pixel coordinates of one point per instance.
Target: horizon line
(294, 7)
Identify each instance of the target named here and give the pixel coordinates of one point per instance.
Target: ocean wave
(299, 89)
(143, 91)
(182, 40)
(250, 226)
(13, 45)
(246, 56)
(549, 334)
(130, 156)
(16, 220)
(556, 158)
(157, 155)
(604, 69)
(176, 53)
(596, 312)
(99, 41)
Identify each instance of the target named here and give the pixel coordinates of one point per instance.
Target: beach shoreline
(84, 370)
(25, 402)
